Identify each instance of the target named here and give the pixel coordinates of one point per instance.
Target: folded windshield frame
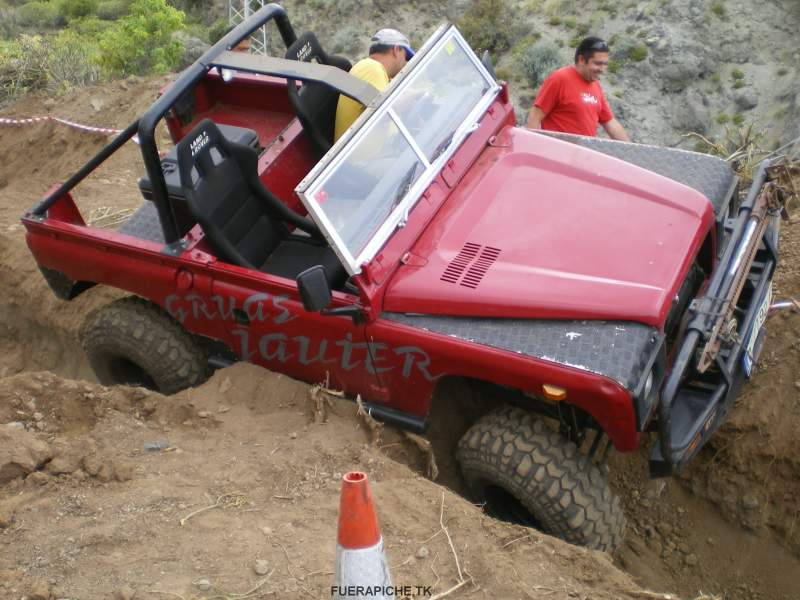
(366, 185)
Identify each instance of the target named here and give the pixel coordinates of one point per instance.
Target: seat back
(242, 221)
(315, 103)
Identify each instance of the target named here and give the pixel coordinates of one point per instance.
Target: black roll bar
(188, 78)
(340, 80)
(90, 166)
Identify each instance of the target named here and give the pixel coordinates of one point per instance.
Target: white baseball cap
(392, 37)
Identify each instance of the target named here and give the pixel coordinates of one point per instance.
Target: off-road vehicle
(589, 290)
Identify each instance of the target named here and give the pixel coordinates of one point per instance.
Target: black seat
(243, 221)
(315, 103)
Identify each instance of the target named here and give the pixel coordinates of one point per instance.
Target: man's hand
(535, 118)
(615, 130)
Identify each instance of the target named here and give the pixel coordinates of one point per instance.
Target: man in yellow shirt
(389, 52)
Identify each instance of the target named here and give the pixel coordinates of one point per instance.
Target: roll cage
(219, 56)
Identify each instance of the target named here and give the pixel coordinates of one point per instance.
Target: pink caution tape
(79, 126)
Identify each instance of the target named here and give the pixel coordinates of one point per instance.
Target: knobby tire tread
(562, 488)
(142, 333)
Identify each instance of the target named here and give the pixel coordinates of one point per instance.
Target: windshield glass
(438, 100)
(369, 184)
(367, 189)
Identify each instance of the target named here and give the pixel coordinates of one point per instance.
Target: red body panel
(592, 252)
(578, 236)
(431, 356)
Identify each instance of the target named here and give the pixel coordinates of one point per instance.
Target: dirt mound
(123, 466)
(126, 500)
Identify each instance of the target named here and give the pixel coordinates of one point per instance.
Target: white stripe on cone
(362, 572)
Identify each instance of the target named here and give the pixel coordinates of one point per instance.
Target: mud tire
(510, 455)
(133, 342)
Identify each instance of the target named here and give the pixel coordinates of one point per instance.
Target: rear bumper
(701, 386)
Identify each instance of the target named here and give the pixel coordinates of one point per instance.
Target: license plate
(748, 359)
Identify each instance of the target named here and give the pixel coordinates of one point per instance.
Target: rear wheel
(133, 342)
(528, 474)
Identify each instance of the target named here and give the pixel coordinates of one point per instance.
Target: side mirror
(315, 292)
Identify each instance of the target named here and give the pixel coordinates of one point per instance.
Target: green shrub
(570, 22)
(555, 21)
(718, 9)
(739, 83)
(142, 42)
(702, 147)
(91, 27)
(780, 112)
(75, 9)
(9, 22)
(609, 7)
(348, 40)
(782, 71)
(575, 41)
(532, 6)
(111, 10)
(614, 66)
(738, 120)
(537, 61)
(503, 74)
(583, 29)
(218, 30)
(489, 25)
(40, 14)
(722, 119)
(53, 63)
(638, 53)
(620, 46)
(626, 48)
(73, 61)
(737, 74)
(560, 7)
(715, 78)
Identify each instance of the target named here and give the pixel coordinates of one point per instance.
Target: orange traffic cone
(361, 569)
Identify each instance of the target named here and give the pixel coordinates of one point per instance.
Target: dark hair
(589, 46)
(381, 48)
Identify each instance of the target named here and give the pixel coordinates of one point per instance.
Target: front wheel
(526, 473)
(133, 342)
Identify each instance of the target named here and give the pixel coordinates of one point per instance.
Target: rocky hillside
(677, 65)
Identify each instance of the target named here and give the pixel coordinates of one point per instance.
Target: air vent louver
(478, 258)
(460, 262)
(478, 269)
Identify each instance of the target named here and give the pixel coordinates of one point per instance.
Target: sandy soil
(103, 516)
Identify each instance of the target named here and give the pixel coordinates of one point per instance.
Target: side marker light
(553, 392)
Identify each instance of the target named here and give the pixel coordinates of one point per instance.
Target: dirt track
(106, 516)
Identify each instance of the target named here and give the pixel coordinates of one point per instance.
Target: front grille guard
(708, 368)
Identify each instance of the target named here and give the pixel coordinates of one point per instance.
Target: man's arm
(615, 130)
(535, 118)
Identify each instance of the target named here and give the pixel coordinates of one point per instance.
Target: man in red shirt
(571, 99)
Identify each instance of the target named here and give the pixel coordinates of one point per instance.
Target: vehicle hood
(542, 228)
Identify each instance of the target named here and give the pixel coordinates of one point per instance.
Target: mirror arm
(353, 311)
